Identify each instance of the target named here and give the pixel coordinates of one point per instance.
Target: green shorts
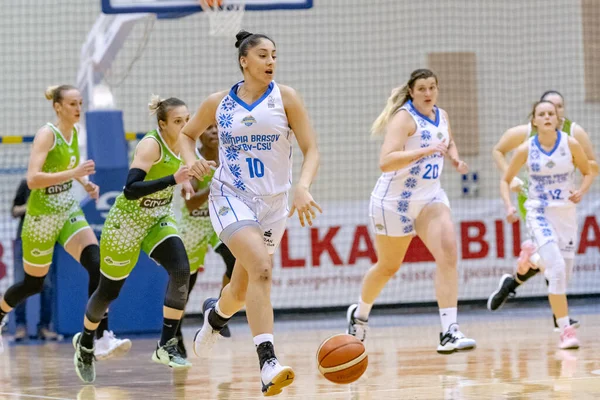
(197, 234)
(123, 237)
(41, 232)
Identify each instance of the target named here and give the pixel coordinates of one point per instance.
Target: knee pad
(555, 268)
(172, 256)
(90, 260)
(107, 291)
(31, 285)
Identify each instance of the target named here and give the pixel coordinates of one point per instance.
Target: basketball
(342, 359)
(214, 3)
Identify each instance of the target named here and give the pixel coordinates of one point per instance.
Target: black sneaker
(225, 332)
(502, 293)
(84, 361)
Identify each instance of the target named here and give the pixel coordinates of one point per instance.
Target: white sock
(263, 337)
(363, 310)
(221, 313)
(448, 317)
(563, 322)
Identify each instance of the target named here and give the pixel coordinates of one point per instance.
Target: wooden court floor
(514, 360)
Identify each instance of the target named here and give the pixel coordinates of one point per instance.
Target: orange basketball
(213, 3)
(342, 358)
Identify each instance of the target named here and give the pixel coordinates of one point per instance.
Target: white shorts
(228, 206)
(397, 217)
(553, 224)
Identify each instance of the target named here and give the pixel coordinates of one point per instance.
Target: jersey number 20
(431, 171)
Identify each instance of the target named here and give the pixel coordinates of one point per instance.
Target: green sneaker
(169, 355)
(84, 361)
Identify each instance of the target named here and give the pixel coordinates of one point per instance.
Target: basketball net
(224, 20)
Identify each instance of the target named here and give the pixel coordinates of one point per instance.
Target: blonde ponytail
(154, 104)
(396, 100)
(49, 93)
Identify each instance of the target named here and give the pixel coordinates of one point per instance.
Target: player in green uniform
(53, 214)
(511, 139)
(196, 229)
(142, 219)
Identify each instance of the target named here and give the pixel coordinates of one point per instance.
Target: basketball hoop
(224, 17)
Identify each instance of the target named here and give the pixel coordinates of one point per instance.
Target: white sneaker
(109, 346)
(356, 326)
(207, 336)
(568, 339)
(454, 340)
(274, 377)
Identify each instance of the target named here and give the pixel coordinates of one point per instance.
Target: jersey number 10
(255, 167)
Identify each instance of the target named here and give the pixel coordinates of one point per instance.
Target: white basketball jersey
(255, 146)
(551, 173)
(419, 180)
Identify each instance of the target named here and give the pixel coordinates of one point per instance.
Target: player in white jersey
(248, 200)
(551, 157)
(408, 200)
(509, 141)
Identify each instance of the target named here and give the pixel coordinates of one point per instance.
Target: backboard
(190, 6)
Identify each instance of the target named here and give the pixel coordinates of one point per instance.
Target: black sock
(265, 351)
(168, 330)
(524, 277)
(87, 338)
(102, 327)
(216, 321)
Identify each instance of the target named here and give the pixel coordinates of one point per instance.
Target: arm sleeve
(21, 196)
(136, 187)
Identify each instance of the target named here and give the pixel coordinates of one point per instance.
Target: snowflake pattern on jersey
(225, 121)
(232, 153)
(539, 188)
(235, 170)
(423, 145)
(410, 183)
(426, 135)
(535, 167)
(228, 104)
(422, 123)
(540, 210)
(239, 184)
(226, 138)
(543, 196)
(535, 154)
(404, 219)
(547, 232)
(402, 206)
(407, 229)
(415, 171)
(406, 194)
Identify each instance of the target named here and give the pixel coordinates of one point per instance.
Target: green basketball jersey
(157, 204)
(62, 156)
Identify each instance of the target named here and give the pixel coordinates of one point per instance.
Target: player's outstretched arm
(204, 117)
(305, 135)
(581, 162)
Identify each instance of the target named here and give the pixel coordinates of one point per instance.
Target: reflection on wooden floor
(517, 360)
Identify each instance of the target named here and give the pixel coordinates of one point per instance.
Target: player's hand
(84, 169)
(92, 190)
(201, 168)
(187, 190)
(182, 174)
(460, 166)
(305, 204)
(516, 185)
(511, 214)
(576, 196)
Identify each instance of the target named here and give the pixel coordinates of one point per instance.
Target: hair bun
(49, 93)
(154, 104)
(241, 36)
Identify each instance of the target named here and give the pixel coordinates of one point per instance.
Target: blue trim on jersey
(437, 114)
(249, 107)
(217, 214)
(536, 141)
(230, 206)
